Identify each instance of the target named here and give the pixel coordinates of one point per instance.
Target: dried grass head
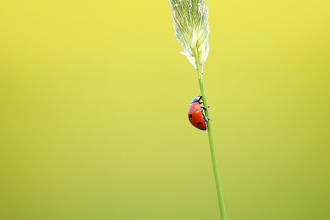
(190, 20)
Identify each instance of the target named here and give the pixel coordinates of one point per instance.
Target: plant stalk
(211, 141)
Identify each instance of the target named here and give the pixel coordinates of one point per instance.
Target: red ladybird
(196, 115)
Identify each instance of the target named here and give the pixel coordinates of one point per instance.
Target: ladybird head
(197, 99)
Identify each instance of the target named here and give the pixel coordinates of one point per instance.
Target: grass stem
(211, 140)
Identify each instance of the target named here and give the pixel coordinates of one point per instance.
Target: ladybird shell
(196, 116)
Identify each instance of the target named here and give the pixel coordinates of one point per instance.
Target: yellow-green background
(93, 112)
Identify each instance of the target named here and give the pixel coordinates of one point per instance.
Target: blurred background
(93, 112)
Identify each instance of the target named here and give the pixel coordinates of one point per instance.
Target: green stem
(211, 141)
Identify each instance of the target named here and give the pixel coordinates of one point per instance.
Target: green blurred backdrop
(93, 112)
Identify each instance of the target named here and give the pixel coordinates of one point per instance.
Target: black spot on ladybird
(190, 116)
(199, 123)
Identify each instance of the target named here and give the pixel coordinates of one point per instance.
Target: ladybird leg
(204, 108)
(207, 118)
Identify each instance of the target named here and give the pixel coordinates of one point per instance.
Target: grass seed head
(190, 20)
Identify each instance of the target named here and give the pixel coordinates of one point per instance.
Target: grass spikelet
(190, 20)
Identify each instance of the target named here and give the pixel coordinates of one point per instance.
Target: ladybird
(196, 115)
